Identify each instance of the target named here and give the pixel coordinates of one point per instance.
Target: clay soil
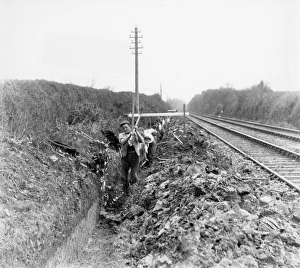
(198, 206)
(43, 196)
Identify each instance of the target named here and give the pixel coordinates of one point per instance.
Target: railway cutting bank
(200, 204)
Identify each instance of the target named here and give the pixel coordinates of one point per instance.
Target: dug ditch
(198, 207)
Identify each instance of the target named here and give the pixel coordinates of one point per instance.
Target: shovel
(137, 121)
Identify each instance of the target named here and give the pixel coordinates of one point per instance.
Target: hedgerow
(33, 108)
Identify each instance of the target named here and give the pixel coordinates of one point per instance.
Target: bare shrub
(32, 108)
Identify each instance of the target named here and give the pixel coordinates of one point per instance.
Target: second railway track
(263, 127)
(290, 141)
(281, 162)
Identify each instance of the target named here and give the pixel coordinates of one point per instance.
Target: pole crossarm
(158, 114)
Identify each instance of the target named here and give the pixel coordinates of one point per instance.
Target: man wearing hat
(131, 141)
(150, 145)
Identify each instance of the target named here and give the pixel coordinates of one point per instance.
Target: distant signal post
(136, 48)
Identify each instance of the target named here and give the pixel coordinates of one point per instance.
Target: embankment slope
(45, 192)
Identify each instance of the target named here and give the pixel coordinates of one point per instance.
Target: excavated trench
(49, 205)
(72, 247)
(92, 243)
(197, 206)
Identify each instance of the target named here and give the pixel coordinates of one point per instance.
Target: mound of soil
(203, 205)
(199, 205)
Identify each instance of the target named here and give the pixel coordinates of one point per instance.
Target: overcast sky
(189, 46)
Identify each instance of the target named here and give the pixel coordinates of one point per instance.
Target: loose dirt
(200, 205)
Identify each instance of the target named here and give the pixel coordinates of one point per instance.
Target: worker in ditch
(150, 140)
(130, 141)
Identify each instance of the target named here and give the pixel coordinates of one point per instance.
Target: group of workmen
(138, 147)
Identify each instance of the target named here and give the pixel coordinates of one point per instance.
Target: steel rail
(247, 156)
(273, 146)
(296, 131)
(247, 125)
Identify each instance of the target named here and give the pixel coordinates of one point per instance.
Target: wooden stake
(177, 138)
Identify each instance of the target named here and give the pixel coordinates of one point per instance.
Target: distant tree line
(257, 103)
(176, 104)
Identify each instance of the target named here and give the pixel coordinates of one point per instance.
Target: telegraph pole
(136, 48)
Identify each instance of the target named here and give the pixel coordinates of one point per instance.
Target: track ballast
(282, 162)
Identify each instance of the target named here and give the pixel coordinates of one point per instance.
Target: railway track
(288, 140)
(279, 161)
(279, 131)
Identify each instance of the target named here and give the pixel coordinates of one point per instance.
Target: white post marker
(157, 114)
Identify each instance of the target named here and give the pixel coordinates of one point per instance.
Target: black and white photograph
(150, 134)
